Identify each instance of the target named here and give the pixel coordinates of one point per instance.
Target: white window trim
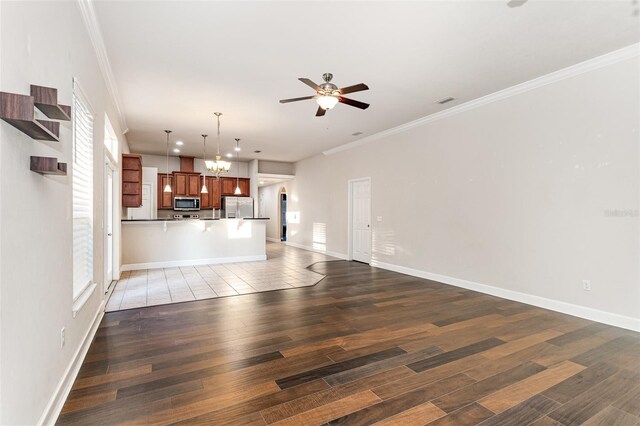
(83, 298)
(79, 91)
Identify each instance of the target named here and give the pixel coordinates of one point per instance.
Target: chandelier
(219, 166)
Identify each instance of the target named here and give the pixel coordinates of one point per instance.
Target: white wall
(253, 184)
(514, 194)
(43, 43)
(268, 206)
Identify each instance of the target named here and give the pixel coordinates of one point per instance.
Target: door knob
(109, 234)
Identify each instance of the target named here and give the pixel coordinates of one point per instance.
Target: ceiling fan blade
(321, 111)
(310, 83)
(353, 103)
(304, 98)
(355, 88)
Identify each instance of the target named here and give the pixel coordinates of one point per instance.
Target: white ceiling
(175, 63)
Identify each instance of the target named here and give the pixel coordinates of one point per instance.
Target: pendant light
(218, 167)
(204, 158)
(237, 191)
(167, 187)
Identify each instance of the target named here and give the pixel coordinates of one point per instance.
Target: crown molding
(91, 22)
(571, 71)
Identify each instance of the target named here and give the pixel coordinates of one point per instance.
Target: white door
(108, 228)
(361, 220)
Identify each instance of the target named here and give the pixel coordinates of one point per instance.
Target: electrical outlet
(62, 338)
(586, 285)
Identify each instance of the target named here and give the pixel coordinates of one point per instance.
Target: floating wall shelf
(48, 166)
(46, 100)
(17, 110)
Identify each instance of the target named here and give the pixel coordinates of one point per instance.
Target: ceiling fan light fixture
(327, 101)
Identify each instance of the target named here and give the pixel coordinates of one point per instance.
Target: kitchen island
(164, 243)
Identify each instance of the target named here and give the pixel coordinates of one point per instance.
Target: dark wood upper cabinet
(186, 164)
(187, 184)
(211, 199)
(245, 187)
(215, 193)
(165, 199)
(228, 186)
(194, 187)
(131, 180)
(180, 181)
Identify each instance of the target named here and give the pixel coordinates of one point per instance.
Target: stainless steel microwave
(186, 203)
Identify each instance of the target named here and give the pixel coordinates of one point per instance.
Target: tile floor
(283, 269)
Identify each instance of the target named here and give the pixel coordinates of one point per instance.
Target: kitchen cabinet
(165, 199)
(187, 184)
(194, 185)
(131, 180)
(245, 188)
(228, 186)
(211, 199)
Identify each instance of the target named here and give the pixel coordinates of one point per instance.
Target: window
(82, 170)
(110, 138)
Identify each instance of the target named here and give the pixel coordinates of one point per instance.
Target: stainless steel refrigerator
(237, 207)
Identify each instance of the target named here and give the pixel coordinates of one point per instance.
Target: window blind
(82, 196)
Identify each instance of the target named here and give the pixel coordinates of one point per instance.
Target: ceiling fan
(328, 95)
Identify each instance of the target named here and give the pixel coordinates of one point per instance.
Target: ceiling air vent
(445, 100)
(516, 3)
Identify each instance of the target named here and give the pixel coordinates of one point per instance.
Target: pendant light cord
(238, 163)
(204, 149)
(167, 132)
(218, 114)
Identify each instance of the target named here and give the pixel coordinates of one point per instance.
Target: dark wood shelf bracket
(48, 166)
(17, 110)
(46, 100)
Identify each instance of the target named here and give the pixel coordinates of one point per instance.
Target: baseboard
(308, 248)
(616, 320)
(192, 262)
(54, 407)
(274, 240)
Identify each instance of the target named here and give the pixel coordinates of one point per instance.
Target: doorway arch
(282, 213)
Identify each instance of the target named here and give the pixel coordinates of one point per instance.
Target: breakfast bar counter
(162, 243)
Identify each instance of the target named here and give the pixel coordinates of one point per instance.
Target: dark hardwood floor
(363, 346)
